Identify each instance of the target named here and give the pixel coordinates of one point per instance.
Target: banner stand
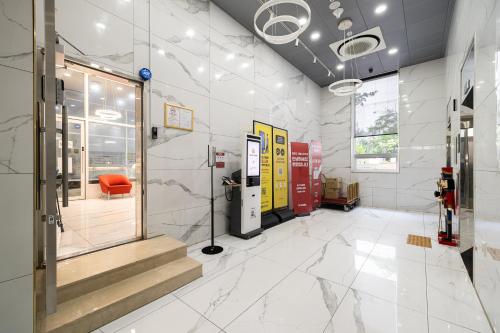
(269, 220)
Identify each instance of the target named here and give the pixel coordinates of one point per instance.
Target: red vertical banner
(301, 194)
(315, 151)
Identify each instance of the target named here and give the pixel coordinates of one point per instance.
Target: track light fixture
(315, 60)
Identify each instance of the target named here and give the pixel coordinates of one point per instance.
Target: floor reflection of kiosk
(245, 204)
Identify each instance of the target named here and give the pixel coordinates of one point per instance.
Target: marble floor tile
(328, 272)
(215, 267)
(293, 251)
(444, 256)
(399, 281)
(256, 244)
(353, 234)
(175, 317)
(137, 314)
(225, 297)
(451, 297)
(393, 246)
(324, 230)
(337, 263)
(361, 312)
(441, 326)
(287, 307)
(94, 223)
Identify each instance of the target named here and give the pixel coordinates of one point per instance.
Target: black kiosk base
(284, 215)
(269, 220)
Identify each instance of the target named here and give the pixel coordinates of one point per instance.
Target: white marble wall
(16, 166)
(200, 57)
(479, 20)
(422, 142)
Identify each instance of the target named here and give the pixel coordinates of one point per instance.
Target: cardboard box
(333, 183)
(332, 193)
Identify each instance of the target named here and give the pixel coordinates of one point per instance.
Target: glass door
(105, 160)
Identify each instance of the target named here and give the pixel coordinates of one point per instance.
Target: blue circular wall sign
(145, 74)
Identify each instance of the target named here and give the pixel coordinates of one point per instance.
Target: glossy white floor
(95, 223)
(330, 272)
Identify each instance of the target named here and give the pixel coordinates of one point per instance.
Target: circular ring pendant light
(346, 87)
(273, 19)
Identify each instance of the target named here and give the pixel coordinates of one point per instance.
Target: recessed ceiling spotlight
(302, 20)
(131, 95)
(393, 50)
(245, 65)
(107, 69)
(218, 76)
(340, 67)
(380, 9)
(334, 5)
(230, 56)
(100, 26)
(407, 105)
(190, 33)
(119, 88)
(161, 52)
(401, 81)
(338, 12)
(315, 35)
(279, 85)
(201, 69)
(94, 65)
(67, 74)
(251, 92)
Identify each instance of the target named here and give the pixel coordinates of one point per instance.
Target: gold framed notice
(179, 117)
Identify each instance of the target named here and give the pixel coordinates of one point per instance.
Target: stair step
(93, 271)
(93, 310)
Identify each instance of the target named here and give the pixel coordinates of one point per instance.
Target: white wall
(16, 166)
(178, 178)
(422, 142)
(479, 19)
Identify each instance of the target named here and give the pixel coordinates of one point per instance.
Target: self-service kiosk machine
(245, 203)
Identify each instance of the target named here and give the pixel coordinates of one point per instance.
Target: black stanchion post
(212, 248)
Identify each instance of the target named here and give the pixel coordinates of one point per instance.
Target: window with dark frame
(376, 125)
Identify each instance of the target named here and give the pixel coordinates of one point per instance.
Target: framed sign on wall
(179, 117)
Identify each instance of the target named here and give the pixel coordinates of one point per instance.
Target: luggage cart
(348, 202)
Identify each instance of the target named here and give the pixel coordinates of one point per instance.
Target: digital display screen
(253, 158)
(280, 139)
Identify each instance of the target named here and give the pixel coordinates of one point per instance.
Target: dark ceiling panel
(417, 28)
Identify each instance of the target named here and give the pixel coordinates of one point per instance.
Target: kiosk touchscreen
(245, 208)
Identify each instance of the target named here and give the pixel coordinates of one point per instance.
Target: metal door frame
(83, 154)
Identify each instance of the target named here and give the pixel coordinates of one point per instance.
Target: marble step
(93, 271)
(93, 310)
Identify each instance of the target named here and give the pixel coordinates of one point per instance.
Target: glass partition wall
(104, 160)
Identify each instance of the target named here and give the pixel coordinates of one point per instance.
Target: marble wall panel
(422, 141)
(16, 166)
(203, 59)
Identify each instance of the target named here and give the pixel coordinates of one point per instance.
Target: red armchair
(114, 184)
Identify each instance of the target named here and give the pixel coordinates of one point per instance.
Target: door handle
(64, 156)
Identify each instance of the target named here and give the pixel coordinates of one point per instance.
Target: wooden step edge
(103, 279)
(91, 311)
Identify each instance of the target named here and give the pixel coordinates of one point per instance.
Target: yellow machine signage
(280, 169)
(266, 166)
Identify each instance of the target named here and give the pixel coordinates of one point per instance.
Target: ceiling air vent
(364, 43)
